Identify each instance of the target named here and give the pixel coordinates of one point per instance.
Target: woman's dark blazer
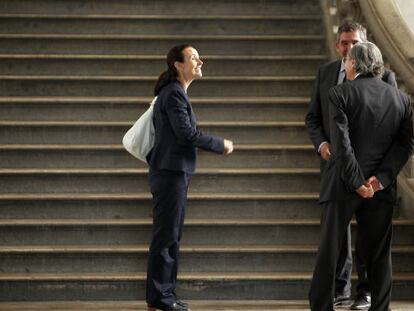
(176, 132)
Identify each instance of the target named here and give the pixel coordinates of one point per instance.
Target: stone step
(160, 45)
(128, 65)
(132, 180)
(194, 258)
(115, 156)
(162, 7)
(144, 86)
(161, 24)
(102, 49)
(201, 305)
(196, 231)
(125, 206)
(130, 108)
(222, 285)
(88, 132)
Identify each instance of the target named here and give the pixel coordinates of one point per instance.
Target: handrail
(392, 35)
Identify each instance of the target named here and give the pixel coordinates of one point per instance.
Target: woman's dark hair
(174, 55)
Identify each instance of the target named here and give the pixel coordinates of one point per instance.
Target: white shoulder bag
(139, 140)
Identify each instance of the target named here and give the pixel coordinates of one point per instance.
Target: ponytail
(171, 74)
(165, 78)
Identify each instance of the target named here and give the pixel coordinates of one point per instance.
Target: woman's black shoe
(175, 307)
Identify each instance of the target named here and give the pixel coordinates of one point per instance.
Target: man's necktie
(343, 78)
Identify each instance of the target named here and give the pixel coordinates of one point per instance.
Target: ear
(178, 66)
(353, 62)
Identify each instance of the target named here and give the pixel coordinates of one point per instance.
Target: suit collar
(363, 76)
(333, 73)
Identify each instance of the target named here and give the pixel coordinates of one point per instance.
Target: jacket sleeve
(186, 133)
(313, 120)
(400, 150)
(342, 151)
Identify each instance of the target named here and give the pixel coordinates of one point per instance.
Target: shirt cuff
(320, 146)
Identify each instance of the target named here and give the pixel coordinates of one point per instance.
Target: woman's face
(190, 69)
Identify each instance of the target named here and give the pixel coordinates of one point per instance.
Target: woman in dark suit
(172, 162)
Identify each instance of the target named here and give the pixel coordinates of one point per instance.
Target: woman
(172, 163)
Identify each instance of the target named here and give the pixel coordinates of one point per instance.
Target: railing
(391, 29)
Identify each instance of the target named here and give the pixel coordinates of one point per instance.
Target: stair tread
(162, 17)
(160, 37)
(120, 147)
(144, 248)
(183, 249)
(190, 276)
(159, 57)
(140, 171)
(148, 221)
(146, 196)
(147, 100)
(188, 222)
(138, 276)
(151, 78)
(129, 123)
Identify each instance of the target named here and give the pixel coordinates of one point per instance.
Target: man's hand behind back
(366, 191)
(325, 151)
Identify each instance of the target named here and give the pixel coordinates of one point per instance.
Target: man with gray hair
(371, 136)
(317, 124)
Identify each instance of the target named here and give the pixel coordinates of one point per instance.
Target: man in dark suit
(371, 135)
(317, 123)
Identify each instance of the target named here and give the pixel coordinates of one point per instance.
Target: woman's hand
(228, 147)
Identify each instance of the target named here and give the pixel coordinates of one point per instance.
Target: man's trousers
(374, 219)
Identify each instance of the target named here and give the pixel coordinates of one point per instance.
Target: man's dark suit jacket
(317, 118)
(371, 131)
(176, 133)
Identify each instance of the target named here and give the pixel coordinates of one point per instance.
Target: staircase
(75, 211)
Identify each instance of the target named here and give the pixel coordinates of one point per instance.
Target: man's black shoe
(342, 301)
(363, 302)
(182, 303)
